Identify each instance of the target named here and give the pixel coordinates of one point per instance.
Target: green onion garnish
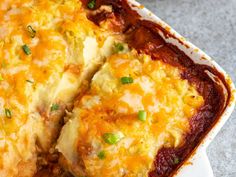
(112, 138)
(31, 31)
(4, 64)
(127, 80)
(8, 113)
(91, 4)
(54, 107)
(176, 161)
(29, 81)
(142, 115)
(26, 49)
(101, 155)
(118, 47)
(1, 78)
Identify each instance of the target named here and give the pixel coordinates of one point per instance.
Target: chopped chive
(142, 115)
(127, 80)
(118, 47)
(1, 78)
(91, 4)
(176, 161)
(101, 155)
(29, 81)
(4, 64)
(8, 113)
(26, 49)
(112, 138)
(31, 31)
(54, 107)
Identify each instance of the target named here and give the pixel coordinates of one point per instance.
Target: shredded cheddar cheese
(48, 49)
(107, 118)
(128, 107)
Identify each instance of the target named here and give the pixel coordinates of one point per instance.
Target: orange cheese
(113, 107)
(59, 62)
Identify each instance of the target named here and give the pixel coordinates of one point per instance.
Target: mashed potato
(135, 106)
(48, 51)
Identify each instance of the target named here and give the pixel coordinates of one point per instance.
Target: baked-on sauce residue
(143, 36)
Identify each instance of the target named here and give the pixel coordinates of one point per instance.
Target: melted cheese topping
(41, 74)
(61, 59)
(111, 107)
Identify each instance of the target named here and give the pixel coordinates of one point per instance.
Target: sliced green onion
(176, 161)
(126, 80)
(8, 113)
(54, 107)
(26, 49)
(101, 155)
(142, 115)
(4, 64)
(29, 81)
(112, 138)
(118, 47)
(31, 31)
(91, 4)
(1, 78)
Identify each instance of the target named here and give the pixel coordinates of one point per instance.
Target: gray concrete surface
(210, 25)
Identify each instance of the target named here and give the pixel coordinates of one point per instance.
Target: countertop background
(211, 26)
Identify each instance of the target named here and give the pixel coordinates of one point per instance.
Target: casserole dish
(102, 88)
(147, 34)
(198, 163)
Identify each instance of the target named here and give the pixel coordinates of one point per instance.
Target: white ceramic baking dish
(197, 165)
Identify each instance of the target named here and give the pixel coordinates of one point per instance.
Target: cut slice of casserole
(48, 52)
(135, 106)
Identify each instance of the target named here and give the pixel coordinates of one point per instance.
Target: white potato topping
(135, 106)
